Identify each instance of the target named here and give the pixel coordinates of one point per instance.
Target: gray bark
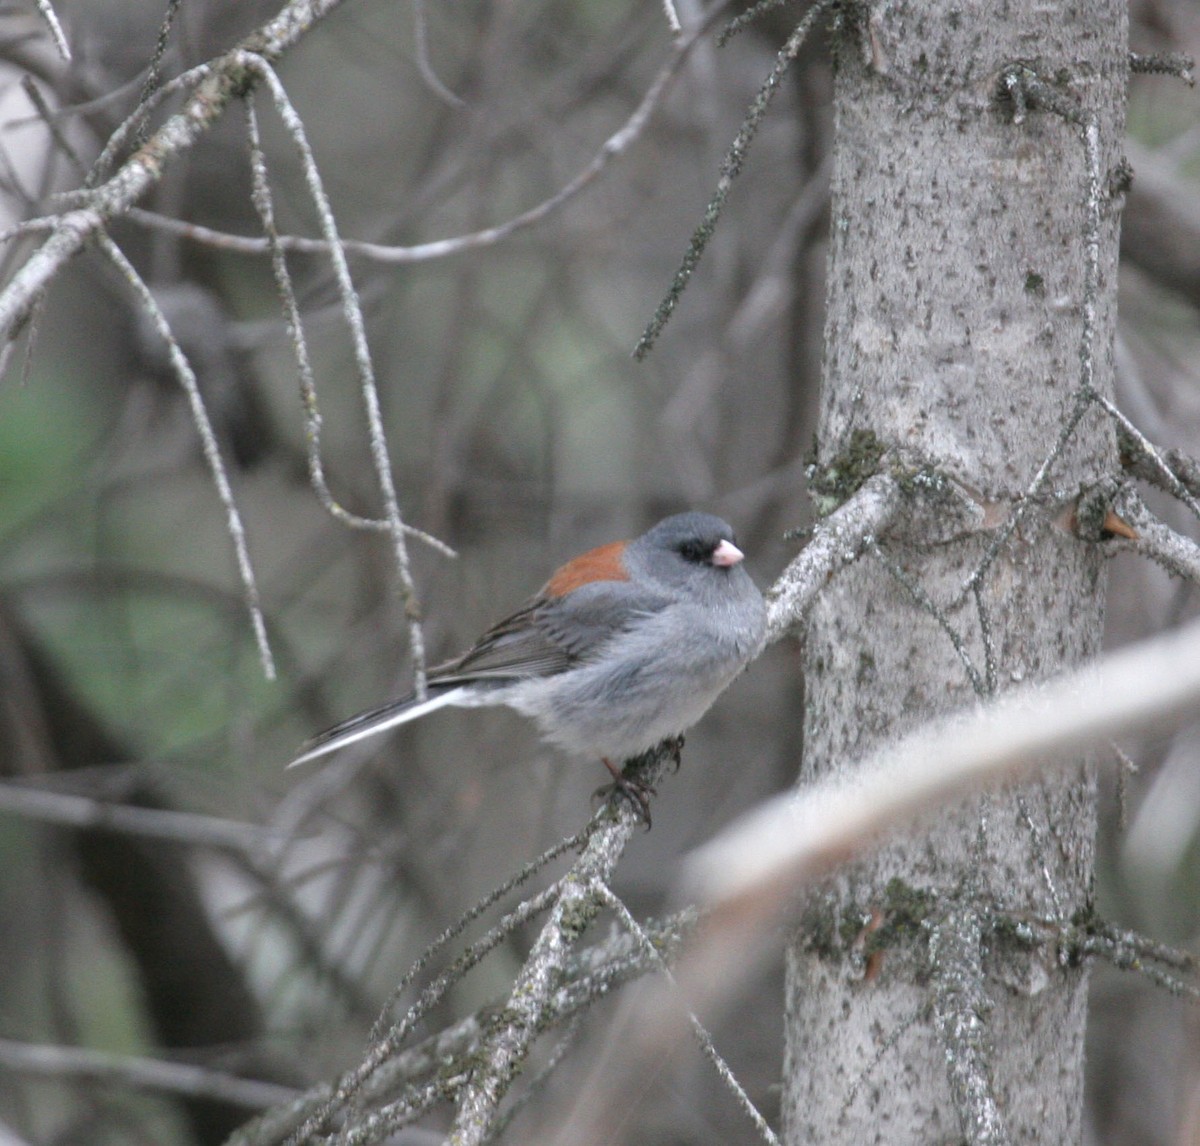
(956, 296)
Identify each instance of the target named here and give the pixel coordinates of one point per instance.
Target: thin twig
(377, 434)
(261, 197)
(1126, 767)
(424, 65)
(527, 872)
(350, 1085)
(989, 642)
(615, 145)
(1145, 948)
(208, 441)
(1143, 459)
(703, 1038)
(56, 32)
(153, 823)
(928, 605)
(731, 168)
(1164, 63)
(46, 114)
(154, 71)
(744, 19)
(179, 1078)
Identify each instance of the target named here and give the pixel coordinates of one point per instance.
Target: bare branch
(745, 19)
(155, 823)
(529, 1004)
(1177, 554)
(144, 169)
(380, 454)
(731, 168)
(56, 32)
(154, 72)
(317, 1108)
(707, 1047)
(1170, 470)
(424, 65)
(593, 974)
(261, 196)
(1164, 64)
(141, 1073)
(672, 17)
(615, 145)
(208, 440)
(927, 605)
(837, 541)
(793, 837)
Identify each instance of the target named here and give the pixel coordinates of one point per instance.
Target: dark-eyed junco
(625, 646)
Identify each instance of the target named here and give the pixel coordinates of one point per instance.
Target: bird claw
(676, 746)
(637, 793)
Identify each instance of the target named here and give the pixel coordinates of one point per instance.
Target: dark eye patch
(698, 552)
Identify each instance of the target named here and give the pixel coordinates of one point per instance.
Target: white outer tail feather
(383, 724)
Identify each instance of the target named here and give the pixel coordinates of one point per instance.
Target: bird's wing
(549, 635)
(514, 648)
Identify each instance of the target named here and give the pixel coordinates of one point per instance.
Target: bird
(625, 646)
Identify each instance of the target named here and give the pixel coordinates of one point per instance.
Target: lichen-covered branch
(1178, 554)
(960, 1015)
(530, 1004)
(837, 540)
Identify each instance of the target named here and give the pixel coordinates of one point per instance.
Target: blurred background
(521, 431)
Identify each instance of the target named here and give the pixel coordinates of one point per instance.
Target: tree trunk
(956, 299)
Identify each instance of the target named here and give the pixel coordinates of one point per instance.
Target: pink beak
(726, 554)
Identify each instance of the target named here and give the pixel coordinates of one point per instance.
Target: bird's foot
(637, 793)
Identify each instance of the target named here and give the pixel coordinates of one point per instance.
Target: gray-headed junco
(625, 646)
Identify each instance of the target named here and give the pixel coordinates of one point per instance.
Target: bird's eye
(695, 551)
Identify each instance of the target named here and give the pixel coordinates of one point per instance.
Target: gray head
(689, 548)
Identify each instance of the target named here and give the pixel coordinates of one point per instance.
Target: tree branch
(180, 1078)
(960, 1007)
(145, 167)
(529, 1006)
(837, 540)
(1177, 554)
(755, 865)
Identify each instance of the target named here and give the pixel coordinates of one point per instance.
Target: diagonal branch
(530, 1002)
(145, 167)
(836, 542)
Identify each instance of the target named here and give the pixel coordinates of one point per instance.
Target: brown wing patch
(601, 564)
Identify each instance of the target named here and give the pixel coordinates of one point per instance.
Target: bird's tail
(374, 721)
